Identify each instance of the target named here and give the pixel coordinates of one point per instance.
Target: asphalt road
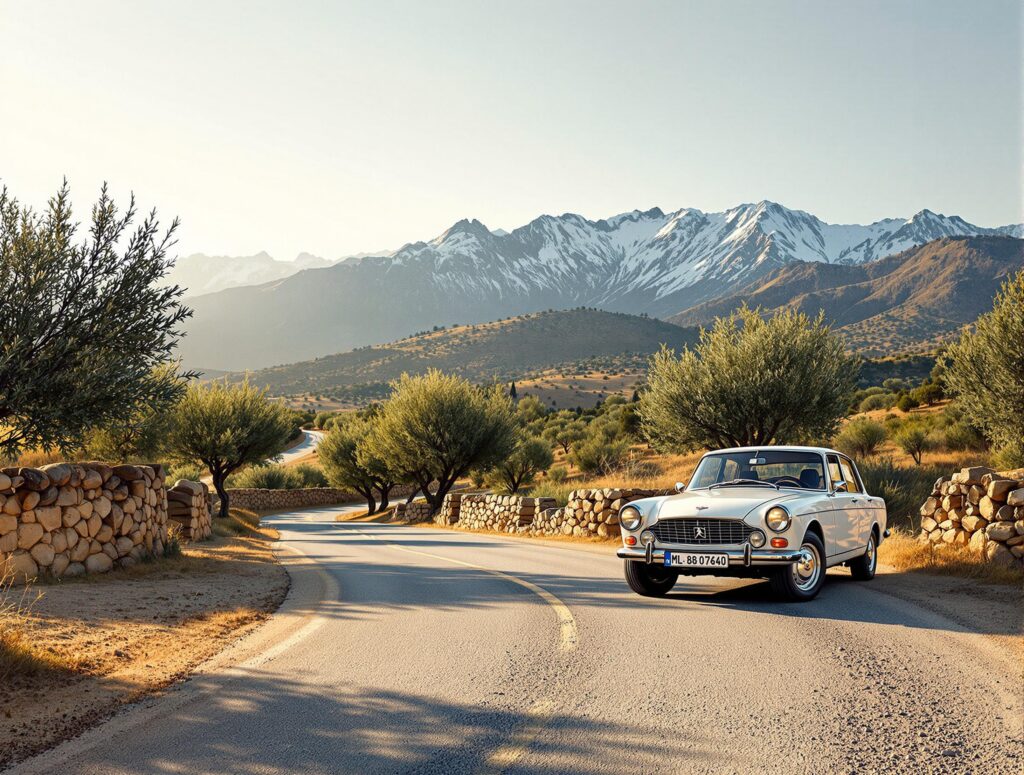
(310, 440)
(422, 650)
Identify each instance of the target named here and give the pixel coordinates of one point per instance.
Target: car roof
(786, 447)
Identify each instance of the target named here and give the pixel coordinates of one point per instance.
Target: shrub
(877, 401)
(549, 489)
(959, 436)
(904, 488)
(266, 477)
(1009, 456)
(191, 471)
(860, 437)
(172, 546)
(595, 455)
(558, 474)
(906, 402)
(310, 475)
(530, 456)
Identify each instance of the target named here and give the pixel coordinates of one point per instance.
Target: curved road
(405, 649)
(310, 441)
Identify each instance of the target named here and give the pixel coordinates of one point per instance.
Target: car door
(845, 520)
(860, 505)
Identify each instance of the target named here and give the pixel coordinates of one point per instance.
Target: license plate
(696, 560)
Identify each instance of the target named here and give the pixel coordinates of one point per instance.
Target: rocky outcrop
(188, 506)
(66, 519)
(980, 509)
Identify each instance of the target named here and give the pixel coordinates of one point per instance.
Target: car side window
(849, 476)
(835, 474)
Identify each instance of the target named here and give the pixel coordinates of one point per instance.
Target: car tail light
(780, 543)
(630, 540)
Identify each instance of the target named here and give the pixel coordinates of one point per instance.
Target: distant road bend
(406, 649)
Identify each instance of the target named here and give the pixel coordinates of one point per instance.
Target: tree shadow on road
(273, 723)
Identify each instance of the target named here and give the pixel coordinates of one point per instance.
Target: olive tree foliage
(749, 381)
(227, 426)
(83, 323)
(338, 456)
(860, 437)
(531, 456)
(985, 369)
(436, 427)
(142, 434)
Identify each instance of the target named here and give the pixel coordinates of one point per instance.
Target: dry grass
(20, 654)
(908, 554)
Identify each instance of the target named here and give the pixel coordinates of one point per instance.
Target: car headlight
(647, 537)
(777, 519)
(630, 518)
(757, 539)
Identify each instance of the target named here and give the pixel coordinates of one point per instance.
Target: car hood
(735, 502)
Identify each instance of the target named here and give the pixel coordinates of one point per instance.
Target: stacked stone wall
(66, 519)
(278, 500)
(188, 506)
(980, 509)
(417, 511)
(588, 513)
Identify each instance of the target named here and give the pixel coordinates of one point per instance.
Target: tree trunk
(218, 485)
(412, 497)
(385, 496)
(371, 503)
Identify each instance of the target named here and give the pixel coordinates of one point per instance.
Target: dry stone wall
(188, 506)
(589, 513)
(980, 509)
(66, 519)
(274, 500)
(417, 511)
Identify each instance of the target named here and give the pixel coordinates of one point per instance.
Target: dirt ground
(108, 640)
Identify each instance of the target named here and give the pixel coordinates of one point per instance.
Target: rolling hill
(910, 302)
(638, 262)
(567, 346)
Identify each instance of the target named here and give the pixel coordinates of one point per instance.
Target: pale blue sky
(349, 126)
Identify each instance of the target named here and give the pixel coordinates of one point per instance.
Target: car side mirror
(680, 486)
(840, 487)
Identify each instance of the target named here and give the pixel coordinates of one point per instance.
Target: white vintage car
(785, 513)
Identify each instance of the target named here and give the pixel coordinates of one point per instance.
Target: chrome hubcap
(807, 569)
(872, 554)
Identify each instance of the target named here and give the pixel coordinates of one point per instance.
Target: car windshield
(778, 467)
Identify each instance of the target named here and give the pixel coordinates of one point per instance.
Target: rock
(998, 489)
(978, 542)
(1019, 526)
(9, 542)
(49, 496)
(128, 473)
(5, 482)
(49, 517)
(8, 524)
(59, 473)
(1005, 514)
(970, 524)
(92, 480)
(29, 534)
(999, 554)
(21, 566)
(69, 496)
(1015, 497)
(12, 506)
(972, 475)
(124, 545)
(59, 565)
(930, 506)
(949, 535)
(987, 507)
(74, 569)
(58, 541)
(29, 499)
(98, 563)
(1000, 531)
(42, 554)
(34, 479)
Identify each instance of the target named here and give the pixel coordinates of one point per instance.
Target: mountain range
(651, 262)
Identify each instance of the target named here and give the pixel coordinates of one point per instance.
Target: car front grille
(700, 532)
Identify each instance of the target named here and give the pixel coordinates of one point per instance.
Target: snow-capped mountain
(641, 261)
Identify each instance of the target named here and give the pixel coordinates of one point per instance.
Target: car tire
(802, 581)
(649, 580)
(863, 568)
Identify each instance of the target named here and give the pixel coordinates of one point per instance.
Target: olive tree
(860, 437)
(227, 426)
(985, 368)
(530, 456)
(749, 381)
(338, 454)
(438, 426)
(84, 323)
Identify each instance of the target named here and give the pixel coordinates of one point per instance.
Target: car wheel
(802, 580)
(863, 568)
(649, 580)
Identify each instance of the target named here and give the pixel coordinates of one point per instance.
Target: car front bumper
(744, 557)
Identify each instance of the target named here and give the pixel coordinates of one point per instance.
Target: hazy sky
(339, 127)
